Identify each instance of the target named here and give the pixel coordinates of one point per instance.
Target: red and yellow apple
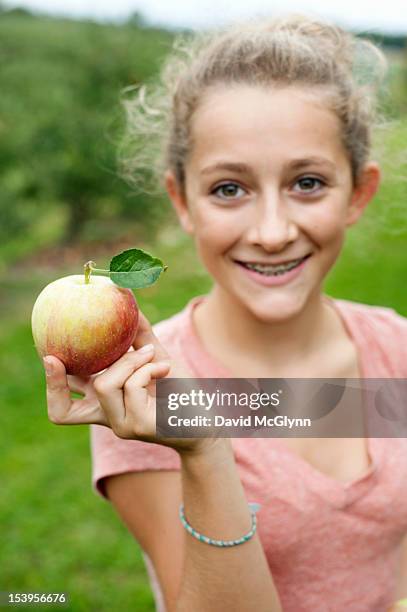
(87, 323)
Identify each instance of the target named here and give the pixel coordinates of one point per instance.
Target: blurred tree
(59, 124)
(18, 11)
(404, 79)
(138, 20)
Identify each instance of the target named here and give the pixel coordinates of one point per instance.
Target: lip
(273, 281)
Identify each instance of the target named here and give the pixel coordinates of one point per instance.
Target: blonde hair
(294, 50)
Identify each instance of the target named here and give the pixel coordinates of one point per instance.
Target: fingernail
(49, 368)
(146, 349)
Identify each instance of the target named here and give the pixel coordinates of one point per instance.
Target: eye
(230, 192)
(308, 184)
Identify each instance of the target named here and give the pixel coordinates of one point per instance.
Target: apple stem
(88, 268)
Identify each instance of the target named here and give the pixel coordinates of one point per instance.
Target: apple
(87, 322)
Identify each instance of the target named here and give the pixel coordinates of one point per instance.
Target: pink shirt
(330, 545)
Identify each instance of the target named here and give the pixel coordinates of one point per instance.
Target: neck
(234, 330)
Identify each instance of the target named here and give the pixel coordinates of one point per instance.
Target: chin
(276, 309)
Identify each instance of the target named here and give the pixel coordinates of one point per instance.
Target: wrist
(207, 452)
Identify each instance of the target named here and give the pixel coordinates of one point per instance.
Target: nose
(272, 226)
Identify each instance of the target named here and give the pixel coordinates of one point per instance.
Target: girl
(266, 131)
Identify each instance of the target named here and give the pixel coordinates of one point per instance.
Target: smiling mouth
(276, 270)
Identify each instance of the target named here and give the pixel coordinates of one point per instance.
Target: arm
(194, 575)
(147, 503)
(218, 579)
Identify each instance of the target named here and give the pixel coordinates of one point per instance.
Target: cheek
(328, 227)
(215, 228)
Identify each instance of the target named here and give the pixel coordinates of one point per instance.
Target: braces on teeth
(274, 270)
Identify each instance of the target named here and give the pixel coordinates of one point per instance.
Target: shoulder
(381, 330)
(379, 318)
(175, 332)
(168, 329)
(171, 334)
(176, 335)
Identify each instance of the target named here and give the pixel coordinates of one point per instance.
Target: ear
(367, 185)
(179, 202)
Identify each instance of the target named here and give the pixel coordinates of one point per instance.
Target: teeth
(268, 269)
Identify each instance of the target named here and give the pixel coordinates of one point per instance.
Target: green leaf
(135, 269)
(401, 602)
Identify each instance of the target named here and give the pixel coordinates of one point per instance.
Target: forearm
(221, 579)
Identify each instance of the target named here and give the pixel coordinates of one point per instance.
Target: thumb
(55, 371)
(58, 392)
(145, 335)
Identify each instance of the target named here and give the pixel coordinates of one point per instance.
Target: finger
(62, 410)
(145, 335)
(77, 384)
(58, 393)
(109, 385)
(140, 419)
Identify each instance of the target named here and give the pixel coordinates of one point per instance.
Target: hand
(122, 397)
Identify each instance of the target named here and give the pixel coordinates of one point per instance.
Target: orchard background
(63, 203)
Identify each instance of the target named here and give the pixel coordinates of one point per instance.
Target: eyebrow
(294, 165)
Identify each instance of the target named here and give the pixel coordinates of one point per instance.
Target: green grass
(56, 534)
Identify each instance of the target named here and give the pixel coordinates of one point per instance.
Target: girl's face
(269, 183)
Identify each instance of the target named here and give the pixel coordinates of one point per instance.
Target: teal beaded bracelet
(222, 543)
